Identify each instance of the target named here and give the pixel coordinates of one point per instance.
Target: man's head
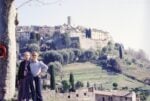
(35, 56)
(27, 55)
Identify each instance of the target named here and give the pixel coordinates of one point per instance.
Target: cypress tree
(120, 52)
(88, 84)
(71, 80)
(52, 79)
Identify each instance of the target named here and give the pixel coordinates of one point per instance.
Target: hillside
(95, 74)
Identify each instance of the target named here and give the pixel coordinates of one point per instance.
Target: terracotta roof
(114, 93)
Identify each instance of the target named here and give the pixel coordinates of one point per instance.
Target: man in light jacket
(37, 67)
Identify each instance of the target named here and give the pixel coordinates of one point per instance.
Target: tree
(115, 85)
(88, 55)
(52, 56)
(52, 78)
(71, 55)
(67, 40)
(88, 84)
(114, 65)
(88, 33)
(71, 80)
(8, 40)
(79, 84)
(33, 47)
(65, 55)
(57, 67)
(65, 86)
(120, 52)
(77, 53)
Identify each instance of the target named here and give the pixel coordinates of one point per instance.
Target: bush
(57, 67)
(52, 56)
(114, 65)
(88, 55)
(52, 78)
(133, 61)
(33, 47)
(65, 55)
(88, 84)
(71, 55)
(103, 57)
(79, 84)
(77, 53)
(115, 85)
(71, 80)
(128, 62)
(104, 50)
(65, 86)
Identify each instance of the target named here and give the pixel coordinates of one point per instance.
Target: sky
(126, 20)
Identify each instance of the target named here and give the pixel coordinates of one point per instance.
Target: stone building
(115, 96)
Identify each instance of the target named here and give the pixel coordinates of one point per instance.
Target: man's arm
(19, 71)
(44, 66)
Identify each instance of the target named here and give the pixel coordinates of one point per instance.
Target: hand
(41, 74)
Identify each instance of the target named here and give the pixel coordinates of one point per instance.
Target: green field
(95, 74)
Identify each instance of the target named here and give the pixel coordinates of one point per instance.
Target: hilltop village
(80, 37)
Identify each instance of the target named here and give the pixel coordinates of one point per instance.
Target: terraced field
(95, 74)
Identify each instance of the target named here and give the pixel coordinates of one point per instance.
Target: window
(103, 99)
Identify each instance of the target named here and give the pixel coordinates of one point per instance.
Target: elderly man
(25, 79)
(37, 67)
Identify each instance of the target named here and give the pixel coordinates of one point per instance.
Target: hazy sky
(126, 20)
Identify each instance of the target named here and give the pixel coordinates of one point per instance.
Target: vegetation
(88, 85)
(71, 80)
(115, 85)
(88, 72)
(120, 52)
(33, 47)
(65, 86)
(108, 66)
(79, 84)
(58, 69)
(52, 78)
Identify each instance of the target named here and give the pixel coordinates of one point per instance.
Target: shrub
(52, 78)
(65, 56)
(52, 56)
(77, 53)
(79, 84)
(33, 47)
(57, 67)
(71, 80)
(71, 55)
(114, 65)
(65, 86)
(115, 85)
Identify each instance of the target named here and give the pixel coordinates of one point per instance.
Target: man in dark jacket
(25, 79)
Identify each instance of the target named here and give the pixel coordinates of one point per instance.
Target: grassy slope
(94, 74)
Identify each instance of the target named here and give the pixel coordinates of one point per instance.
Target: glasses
(34, 55)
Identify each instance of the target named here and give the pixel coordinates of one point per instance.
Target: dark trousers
(32, 88)
(25, 85)
(38, 88)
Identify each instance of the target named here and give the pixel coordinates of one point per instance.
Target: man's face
(27, 56)
(34, 56)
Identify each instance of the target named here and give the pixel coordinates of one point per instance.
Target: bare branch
(24, 3)
(48, 3)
